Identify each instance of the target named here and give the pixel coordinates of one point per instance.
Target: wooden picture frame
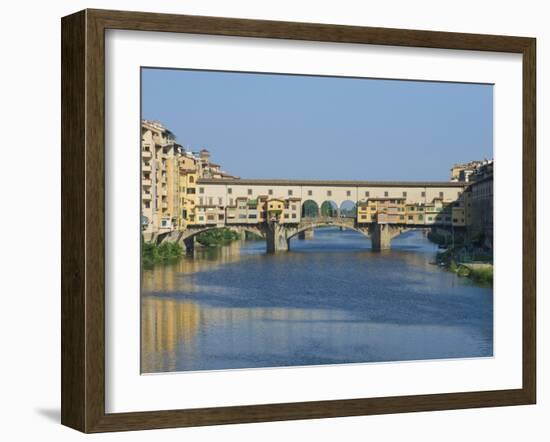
(83, 220)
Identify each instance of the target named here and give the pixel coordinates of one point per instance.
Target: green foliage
(483, 276)
(453, 267)
(165, 253)
(217, 237)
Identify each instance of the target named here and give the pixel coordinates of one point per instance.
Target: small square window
(250, 191)
(289, 192)
(270, 192)
(310, 192)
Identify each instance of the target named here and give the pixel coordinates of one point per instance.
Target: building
(170, 199)
(382, 210)
(468, 172)
(480, 216)
(158, 174)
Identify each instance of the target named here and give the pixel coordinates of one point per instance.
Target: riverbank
(165, 253)
(469, 262)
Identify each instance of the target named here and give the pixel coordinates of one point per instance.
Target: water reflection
(329, 300)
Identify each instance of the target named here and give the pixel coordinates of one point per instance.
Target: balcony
(146, 196)
(146, 168)
(164, 205)
(146, 154)
(146, 182)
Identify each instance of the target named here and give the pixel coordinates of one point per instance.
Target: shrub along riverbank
(165, 253)
(217, 237)
(472, 263)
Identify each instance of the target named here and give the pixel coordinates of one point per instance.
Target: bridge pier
(276, 238)
(382, 234)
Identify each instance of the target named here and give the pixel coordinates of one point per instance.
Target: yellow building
(158, 150)
(383, 210)
(275, 207)
(415, 214)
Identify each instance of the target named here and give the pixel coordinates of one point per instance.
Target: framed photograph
(268, 220)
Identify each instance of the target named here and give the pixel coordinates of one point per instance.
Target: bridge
(278, 210)
(278, 235)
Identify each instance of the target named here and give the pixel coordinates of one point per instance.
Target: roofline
(333, 183)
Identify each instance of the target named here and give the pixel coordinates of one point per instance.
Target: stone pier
(382, 234)
(276, 237)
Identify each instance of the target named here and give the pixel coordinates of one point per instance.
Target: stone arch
(348, 209)
(190, 233)
(329, 209)
(346, 225)
(310, 209)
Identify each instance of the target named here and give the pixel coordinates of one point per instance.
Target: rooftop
(331, 183)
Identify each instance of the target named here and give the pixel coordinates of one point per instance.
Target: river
(330, 300)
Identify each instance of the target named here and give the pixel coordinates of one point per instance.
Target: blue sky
(310, 127)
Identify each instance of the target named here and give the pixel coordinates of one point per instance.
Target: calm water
(330, 300)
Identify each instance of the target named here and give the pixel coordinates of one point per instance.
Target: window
(440, 194)
(221, 217)
(385, 193)
(286, 215)
(294, 215)
(190, 191)
(201, 189)
(191, 179)
(249, 191)
(348, 193)
(210, 202)
(430, 218)
(421, 217)
(252, 216)
(401, 217)
(410, 217)
(289, 192)
(230, 201)
(201, 201)
(404, 194)
(423, 194)
(310, 192)
(294, 207)
(367, 194)
(229, 190)
(270, 191)
(242, 216)
(329, 192)
(363, 216)
(220, 201)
